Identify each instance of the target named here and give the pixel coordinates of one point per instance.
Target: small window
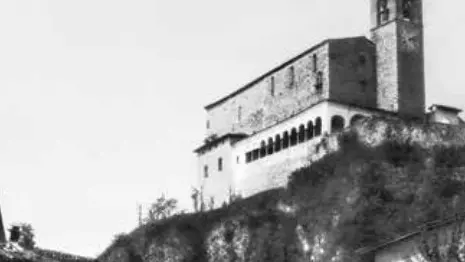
(301, 133)
(277, 143)
(220, 164)
(270, 149)
(237, 159)
(255, 154)
(315, 63)
(208, 124)
(248, 157)
(291, 77)
(319, 82)
(293, 137)
(337, 123)
(309, 130)
(205, 171)
(272, 86)
(318, 127)
(362, 59)
(262, 149)
(285, 140)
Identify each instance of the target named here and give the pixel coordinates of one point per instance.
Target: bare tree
(233, 196)
(139, 214)
(211, 204)
(195, 198)
(161, 209)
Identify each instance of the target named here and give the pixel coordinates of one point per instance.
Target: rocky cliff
(370, 184)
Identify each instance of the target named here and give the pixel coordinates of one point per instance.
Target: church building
(257, 135)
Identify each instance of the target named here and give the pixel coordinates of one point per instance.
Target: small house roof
(445, 108)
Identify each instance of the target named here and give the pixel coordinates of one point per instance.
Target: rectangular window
(205, 171)
(319, 82)
(248, 157)
(220, 164)
(315, 63)
(272, 86)
(291, 77)
(255, 154)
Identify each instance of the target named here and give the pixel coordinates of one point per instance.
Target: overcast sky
(101, 101)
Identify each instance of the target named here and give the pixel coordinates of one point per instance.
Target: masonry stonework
(386, 67)
(261, 108)
(352, 72)
(411, 69)
(398, 35)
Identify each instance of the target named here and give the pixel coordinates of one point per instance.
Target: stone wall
(352, 72)
(348, 75)
(411, 69)
(385, 39)
(400, 59)
(273, 98)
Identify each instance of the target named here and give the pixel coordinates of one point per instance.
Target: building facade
(260, 133)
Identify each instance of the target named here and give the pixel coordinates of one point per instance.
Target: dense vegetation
(360, 195)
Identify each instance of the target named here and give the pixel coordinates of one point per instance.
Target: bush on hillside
(361, 196)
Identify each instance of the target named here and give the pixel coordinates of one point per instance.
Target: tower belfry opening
(383, 12)
(406, 9)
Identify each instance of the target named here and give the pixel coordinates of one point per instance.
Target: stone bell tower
(397, 31)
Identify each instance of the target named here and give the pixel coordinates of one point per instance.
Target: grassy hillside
(376, 182)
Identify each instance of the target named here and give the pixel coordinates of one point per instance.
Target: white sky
(101, 101)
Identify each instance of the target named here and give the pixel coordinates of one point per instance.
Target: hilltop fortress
(257, 135)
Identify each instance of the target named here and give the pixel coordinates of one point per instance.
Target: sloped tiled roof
(60, 256)
(279, 67)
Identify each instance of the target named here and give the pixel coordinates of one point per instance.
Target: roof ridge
(277, 68)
